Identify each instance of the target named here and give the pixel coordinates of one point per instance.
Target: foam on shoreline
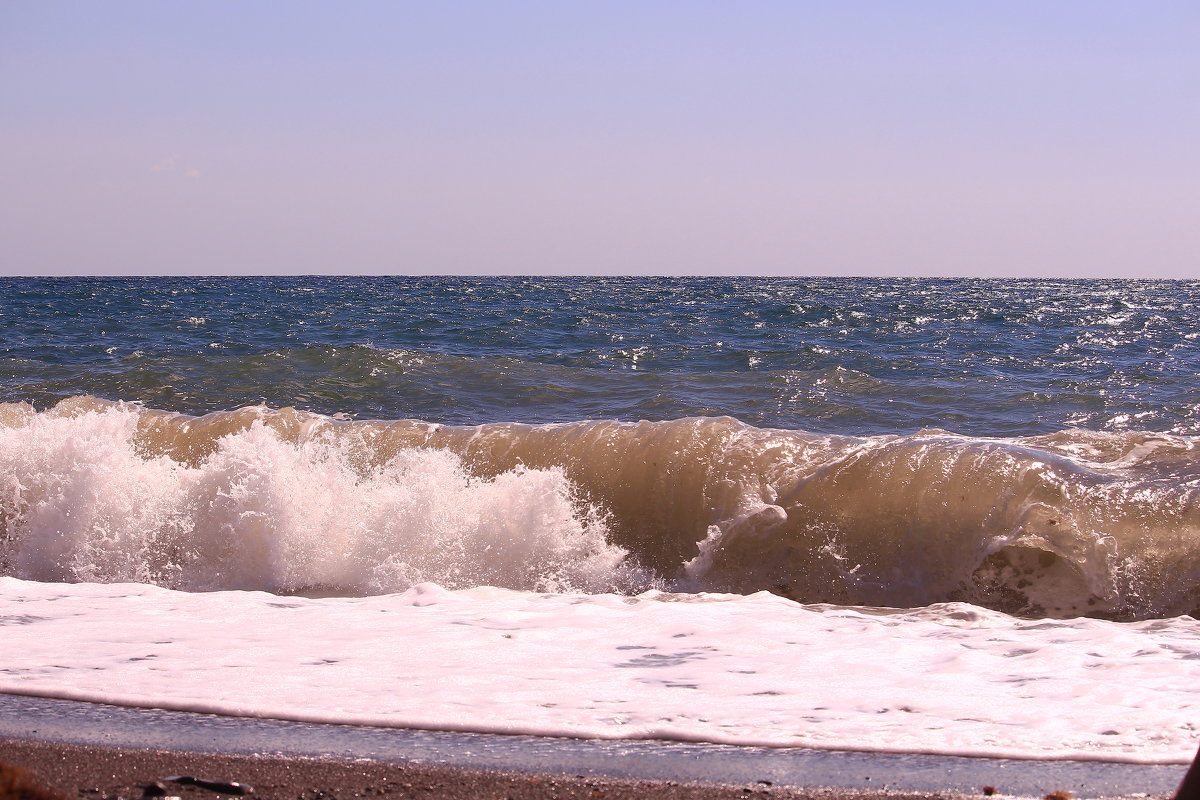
(747, 670)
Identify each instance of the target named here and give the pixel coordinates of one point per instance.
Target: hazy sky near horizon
(931, 137)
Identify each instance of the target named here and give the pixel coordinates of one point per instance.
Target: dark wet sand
(99, 772)
(79, 745)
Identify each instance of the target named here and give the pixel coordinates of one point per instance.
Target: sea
(895, 515)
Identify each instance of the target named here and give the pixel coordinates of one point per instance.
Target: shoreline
(75, 747)
(102, 772)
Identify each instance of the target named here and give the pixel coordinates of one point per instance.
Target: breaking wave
(1072, 523)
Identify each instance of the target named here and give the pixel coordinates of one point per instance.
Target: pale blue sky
(964, 137)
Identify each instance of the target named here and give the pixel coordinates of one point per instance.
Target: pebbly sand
(97, 772)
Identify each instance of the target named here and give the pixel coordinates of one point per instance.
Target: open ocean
(939, 516)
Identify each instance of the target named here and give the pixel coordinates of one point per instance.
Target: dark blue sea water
(1025, 445)
(854, 356)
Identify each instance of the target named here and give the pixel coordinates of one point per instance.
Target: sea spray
(85, 501)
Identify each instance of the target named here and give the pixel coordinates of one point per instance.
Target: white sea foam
(84, 502)
(757, 669)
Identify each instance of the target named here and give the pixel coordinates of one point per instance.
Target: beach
(111, 772)
(90, 772)
(95, 772)
(953, 519)
(599, 400)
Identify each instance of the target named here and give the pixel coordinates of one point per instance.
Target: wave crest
(90, 493)
(1077, 522)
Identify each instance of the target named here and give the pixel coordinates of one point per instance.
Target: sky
(928, 137)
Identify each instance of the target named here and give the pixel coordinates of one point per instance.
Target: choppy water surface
(861, 357)
(992, 458)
